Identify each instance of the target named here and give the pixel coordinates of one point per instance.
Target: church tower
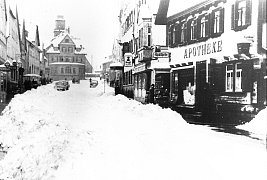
(60, 25)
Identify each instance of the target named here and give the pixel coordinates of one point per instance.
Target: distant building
(65, 55)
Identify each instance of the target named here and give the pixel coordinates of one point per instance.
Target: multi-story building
(3, 21)
(66, 56)
(13, 46)
(218, 57)
(3, 49)
(144, 52)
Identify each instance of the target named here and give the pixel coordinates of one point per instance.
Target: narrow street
(84, 133)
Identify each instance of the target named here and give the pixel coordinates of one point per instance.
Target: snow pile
(85, 133)
(258, 125)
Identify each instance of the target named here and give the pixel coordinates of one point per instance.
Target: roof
(161, 18)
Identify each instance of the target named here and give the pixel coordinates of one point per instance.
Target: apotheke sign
(203, 49)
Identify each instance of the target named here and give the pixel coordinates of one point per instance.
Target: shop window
(229, 78)
(234, 77)
(217, 24)
(74, 70)
(62, 70)
(238, 77)
(241, 14)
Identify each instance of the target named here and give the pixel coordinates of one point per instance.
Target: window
(241, 14)
(170, 36)
(217, 17)
(173, 35)
(68, 70)
(229, 78)
(149, 29)
(217, 24)
(183, 33)
(70, 49)
(238, 77)
(74, 70)
(149, 40)
(67, 40)
(193, 28)
(203, 27)
(234, 77)
(62, 70)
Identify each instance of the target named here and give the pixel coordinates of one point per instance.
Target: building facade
(218, 60)
(144, 54)
(66, 56)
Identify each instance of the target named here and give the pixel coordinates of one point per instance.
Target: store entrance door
(201, 84)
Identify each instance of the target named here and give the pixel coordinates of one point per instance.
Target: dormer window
(67, 40)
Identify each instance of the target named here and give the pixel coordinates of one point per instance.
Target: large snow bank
(85, 133)
(258, 125)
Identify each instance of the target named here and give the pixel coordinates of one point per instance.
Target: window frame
(229, 83)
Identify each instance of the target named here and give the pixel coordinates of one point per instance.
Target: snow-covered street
(84, 133)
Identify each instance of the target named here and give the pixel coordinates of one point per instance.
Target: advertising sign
(128, 59)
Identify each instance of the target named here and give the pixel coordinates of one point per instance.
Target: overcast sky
(95, 22)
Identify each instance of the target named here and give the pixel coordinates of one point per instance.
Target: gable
(67, 40)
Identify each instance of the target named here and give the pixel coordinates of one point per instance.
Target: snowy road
(84, 133)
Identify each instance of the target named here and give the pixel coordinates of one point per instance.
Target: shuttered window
(217, 22)
(241, 14)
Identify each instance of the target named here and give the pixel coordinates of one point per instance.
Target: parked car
(62, 85)
(93, 83)
(75, 81)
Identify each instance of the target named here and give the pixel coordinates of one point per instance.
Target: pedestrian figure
(117, 88)
(151, 93)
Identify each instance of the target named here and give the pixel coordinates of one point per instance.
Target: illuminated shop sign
(203, 49)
